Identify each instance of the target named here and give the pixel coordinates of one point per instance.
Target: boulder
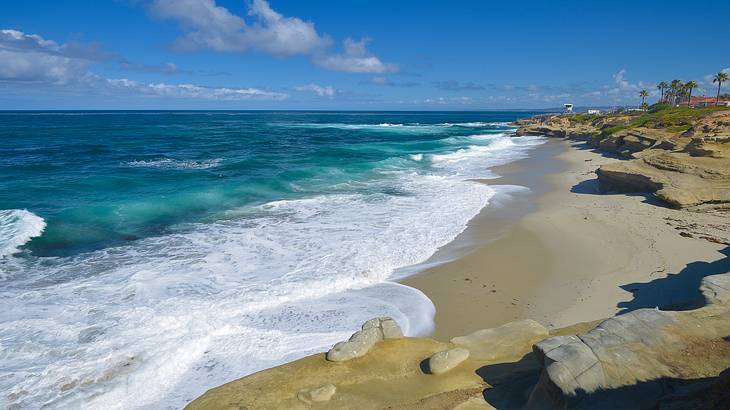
(387, 325)
(632, 360)
(373, 331)
(357, 346)
(502, 341)
(442, 362)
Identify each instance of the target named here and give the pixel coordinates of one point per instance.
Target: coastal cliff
(680, 155)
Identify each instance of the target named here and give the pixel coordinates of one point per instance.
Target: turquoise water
(227, 241)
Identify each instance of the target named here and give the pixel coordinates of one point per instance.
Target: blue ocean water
(164, 253)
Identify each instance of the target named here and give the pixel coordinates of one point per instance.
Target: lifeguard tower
(568, 108)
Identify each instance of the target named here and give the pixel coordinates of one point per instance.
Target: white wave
(416, 157)
(382, 127)
(475, 138)
(17, 227)
(497, 142)
(168, 163)
(172, 316)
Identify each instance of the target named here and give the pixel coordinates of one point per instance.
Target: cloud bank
(321, 91)
(29, 58)
(210, 26)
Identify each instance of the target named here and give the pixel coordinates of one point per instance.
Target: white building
(568, 108)
(594, 111)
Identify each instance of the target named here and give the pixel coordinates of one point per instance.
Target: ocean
(146, 257)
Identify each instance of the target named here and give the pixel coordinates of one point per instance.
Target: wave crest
(17, 227)
(169, 163)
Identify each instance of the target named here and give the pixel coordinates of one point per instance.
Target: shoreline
(559, 254)
(608, 274)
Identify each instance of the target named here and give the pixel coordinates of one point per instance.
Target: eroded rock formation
(642, 359)
(684, 169)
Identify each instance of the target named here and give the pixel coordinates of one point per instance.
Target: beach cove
(592, 280)
(568, 255)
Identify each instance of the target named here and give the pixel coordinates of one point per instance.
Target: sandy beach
(562, 254)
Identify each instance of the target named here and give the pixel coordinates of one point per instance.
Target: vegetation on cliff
(681, 155)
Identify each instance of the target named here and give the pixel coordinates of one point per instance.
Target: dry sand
(563, 253)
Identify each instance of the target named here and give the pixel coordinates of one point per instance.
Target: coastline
(559, 254)
(601, 276)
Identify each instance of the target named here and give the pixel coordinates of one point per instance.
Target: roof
(703, 99)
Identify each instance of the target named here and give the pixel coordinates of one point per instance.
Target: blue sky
(361, 55)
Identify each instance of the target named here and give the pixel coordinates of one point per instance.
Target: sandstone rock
(543, 130)
(373, 331)
(317, 394)
(357, 346)
(502, 341)
(442, 362)
(387, 325)
(628, 361)
(711, 125)
(677, 178)
(474, 403)
(715, 147)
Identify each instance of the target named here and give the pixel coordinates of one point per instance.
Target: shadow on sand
(676, 291)
(513, 383)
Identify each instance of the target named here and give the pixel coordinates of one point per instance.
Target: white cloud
(327, 91)
(28, 58)
(191, 91)
(622, 83)
(165, 68)
(624, 86)
(215, 27)
(355, 59)
(709, 77)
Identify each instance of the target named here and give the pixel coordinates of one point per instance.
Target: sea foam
(170, 316)
(17, 227)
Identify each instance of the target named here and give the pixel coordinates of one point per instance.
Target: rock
(474, 403)
(442, 362)
(357, 346)
(373, 331)
(317, 394)
(611, 143)
(502, 341)
(387, 325)
(684, 169)
(677, 178)
(631, 360)
(711, 125)
(715, 147)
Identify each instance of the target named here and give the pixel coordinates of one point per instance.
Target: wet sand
(560, 253)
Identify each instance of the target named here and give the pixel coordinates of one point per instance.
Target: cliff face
(679, 155)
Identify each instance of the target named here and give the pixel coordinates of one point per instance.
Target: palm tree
(662, 86)
(675, 87)
(719, 78)
(690, 85)
(643, 94)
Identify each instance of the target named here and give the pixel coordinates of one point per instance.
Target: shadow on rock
(664, 393)
(676, 291)
(511, 382)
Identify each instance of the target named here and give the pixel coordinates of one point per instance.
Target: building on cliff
(703, 102)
